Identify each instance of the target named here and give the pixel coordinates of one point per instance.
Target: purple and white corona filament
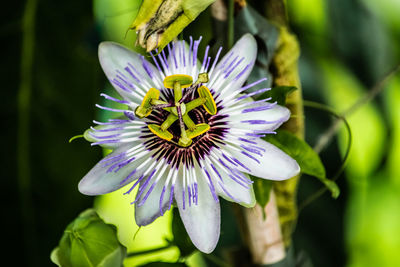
(189, 134)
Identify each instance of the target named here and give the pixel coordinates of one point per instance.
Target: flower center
(179, 109)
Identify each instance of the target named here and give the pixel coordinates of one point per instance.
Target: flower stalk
(281, 211)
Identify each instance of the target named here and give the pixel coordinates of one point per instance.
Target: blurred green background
(51, 80)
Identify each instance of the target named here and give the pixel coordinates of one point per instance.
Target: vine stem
(231, 21)
(325, 138)
(23, 132)
(268, 237)
(147, 251)
(320, 192)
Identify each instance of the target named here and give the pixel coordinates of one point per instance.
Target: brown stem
(264, 235)
(285, 72)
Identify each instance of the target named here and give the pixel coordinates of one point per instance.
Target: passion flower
(189, 134)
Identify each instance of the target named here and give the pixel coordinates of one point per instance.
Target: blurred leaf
(373, 233)
(306, 157)
(115, 208)
(278, 94)
(248, 20)
(164, 264)
(262, 190)
(392, 97)
(181, 238)
(387, 10)
(341, 91)
(88, 241)
(114, 17)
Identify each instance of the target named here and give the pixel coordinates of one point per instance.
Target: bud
(88, 241)
(160, 21)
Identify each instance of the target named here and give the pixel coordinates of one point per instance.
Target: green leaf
(54, 256)
(181, 238)
(248, 20)
(278, 94)
(262, 190)
(192, 8)
(88, 241)
(306, 157)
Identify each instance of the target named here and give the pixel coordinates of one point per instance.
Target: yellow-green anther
(157, 102)
(144, 109)
(142, 112)
(198, 130)
(177, 92)
(195, 103)
(163, 134)
(183, 79)
(168, 122)
(188, 122)
(209, 105)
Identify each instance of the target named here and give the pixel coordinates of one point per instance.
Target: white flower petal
(130, 73)
(183, 60)
(254, 118)
(105, 135)
(234, 68)
(103, 177)
(147, 207)
(202, 221)
(274, 164)
(230, 190)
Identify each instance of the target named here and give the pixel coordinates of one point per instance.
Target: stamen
(183, 79)
(145, 109)
(198, 130)
(209, 105)
(157, 130)
(178, 110)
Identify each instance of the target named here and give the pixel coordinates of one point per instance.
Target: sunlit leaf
(342, 90)
(115, 208)
(392, 97)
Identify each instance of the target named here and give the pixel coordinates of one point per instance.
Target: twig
(325, 138)
(147, 251)
(328, 135)
(321, 191)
